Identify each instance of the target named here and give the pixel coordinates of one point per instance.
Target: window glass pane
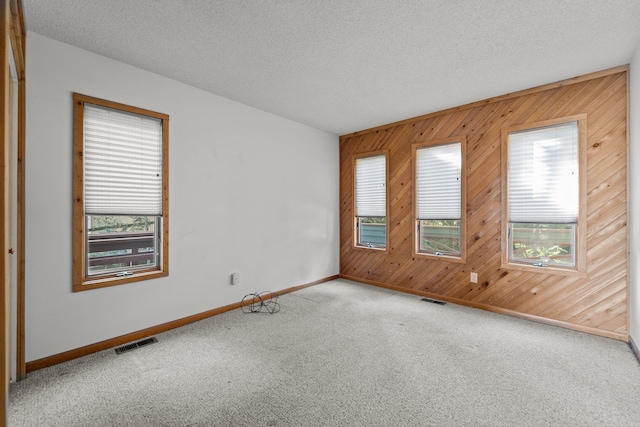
(118, 243)
(441, 237)
(548, 244)
(372, 232)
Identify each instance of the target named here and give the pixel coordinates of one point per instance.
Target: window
(544, 191)
(120, 193)
(371, 201)
(440, 198)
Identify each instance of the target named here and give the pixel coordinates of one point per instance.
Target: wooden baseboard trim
(135, 336)
(486, 307)
(307, 285)
(634, 348)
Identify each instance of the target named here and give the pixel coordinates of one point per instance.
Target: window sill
(447, 258)
(103, 282)
(544, 270)
(368, 248)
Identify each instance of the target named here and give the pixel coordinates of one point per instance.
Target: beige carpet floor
(344, 354)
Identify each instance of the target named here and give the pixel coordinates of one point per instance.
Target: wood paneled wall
(595, 304)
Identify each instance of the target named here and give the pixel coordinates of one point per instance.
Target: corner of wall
(634, 197)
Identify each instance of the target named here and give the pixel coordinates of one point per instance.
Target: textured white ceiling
(347, 65)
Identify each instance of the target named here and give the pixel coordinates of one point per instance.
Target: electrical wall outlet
(474, 278)
(235, 278)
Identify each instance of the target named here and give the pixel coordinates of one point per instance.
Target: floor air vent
(433, 301)
(135, 345)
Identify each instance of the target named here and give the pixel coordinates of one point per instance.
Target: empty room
(321, 213)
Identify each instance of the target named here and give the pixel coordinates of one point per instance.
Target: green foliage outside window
(546, 243)
(103, 224)
(373, 220)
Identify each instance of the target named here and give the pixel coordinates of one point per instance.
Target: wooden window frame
(81, 282)
(354, 228)
(462, 258)
(580, 269)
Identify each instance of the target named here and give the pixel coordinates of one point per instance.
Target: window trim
(462, 139)
(82, 282)
(354, 226)
(580, 269)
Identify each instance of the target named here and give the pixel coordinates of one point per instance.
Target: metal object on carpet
(135, 345)
(256, 302)
(433, 301)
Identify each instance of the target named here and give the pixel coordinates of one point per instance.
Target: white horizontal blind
(371, 183)
(543, 175)
(439, 186)
(122, 163)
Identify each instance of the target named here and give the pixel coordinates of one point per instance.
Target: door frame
(12, 41)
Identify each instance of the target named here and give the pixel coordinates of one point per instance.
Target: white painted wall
(634, 195)
(249, 192)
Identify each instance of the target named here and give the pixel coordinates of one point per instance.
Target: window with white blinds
(542, 195)
(543, 175)
(438, 183)
(438, 201)
(371, 186)
(122, 163)
(120, 193)
(370, 200)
